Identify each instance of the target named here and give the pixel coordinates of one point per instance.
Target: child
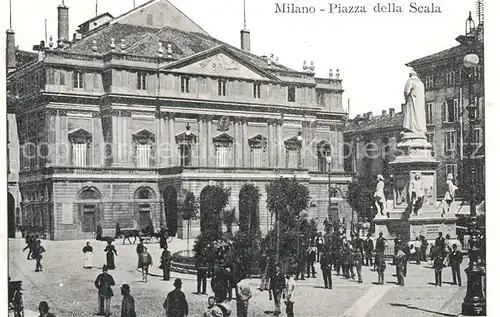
(381, 266)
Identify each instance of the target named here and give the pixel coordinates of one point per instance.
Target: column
(280, 148)
(171, 141)
(163, 141)
(200, 143)
(313, 161)
(158, 135)
(340, 140)
(53, 120)
(335, 147)
(270, 143)
(64, 143)
(237, 143)
(209, 143)
(245, 146)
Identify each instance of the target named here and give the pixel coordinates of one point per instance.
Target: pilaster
(245, 145)
(209, 142)
(280, 148)
(271, 143)
(64, 157)
(171, 142)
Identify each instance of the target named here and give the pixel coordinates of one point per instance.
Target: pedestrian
(163, 237)
(368, 250)
(37, 254)
(418, 250)
(326, 270)
(229, 278)
(175, 304)
(423, 248)
(201, 275)
(277, 285)
(139, 250)
(319, 245)
(440, 243)
(400, 264)
(98, 233)
(211, 305)
(128, 306)
(146, 261)
(456, 258)
(243, 295)
(166, 262)
(438, 268)
(381, 266)
(218, 284)
(87, 256)
(30, 244)
(397, 246)
(288, 294)
(310, 259)
(379, 247)
(358, 263)
(17, 304)
(44, 308)
(110, 255)
(264, 276)
(103, 283)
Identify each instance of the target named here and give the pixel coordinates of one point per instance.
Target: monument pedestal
(414, 210)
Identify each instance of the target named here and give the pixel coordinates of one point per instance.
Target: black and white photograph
(246, 158)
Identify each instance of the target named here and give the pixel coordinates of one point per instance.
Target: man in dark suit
(311, 258)
(379, 247)
(326, 269)
(166, 260)
(103, 283)
(456, 258)
(201, 275)
(440, 243)
(175, 304)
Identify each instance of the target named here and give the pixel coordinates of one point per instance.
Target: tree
(186, 203)
(228, 218)
(286, 199)
(249, 208)
(360, 195)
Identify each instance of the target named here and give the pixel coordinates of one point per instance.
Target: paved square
(69, 288)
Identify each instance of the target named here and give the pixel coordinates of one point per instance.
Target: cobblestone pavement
(69, 288)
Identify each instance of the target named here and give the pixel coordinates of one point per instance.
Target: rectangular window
(79, 154)
(96, 81)
(291, 94)
(77, 79)
(256, 90)
(451, 110)
(62, 78)
(476, 137)
(429, 82)
(51, 76)
(142, 79)
(320, 98)
(292, 158)
(451, 169)
(258, 157)
(222, 156)
(184, 84)
(430, 139)
(450, 78)
(143, 154)
(429, 113)
(222, 88)
(450, 141)
(185, 155)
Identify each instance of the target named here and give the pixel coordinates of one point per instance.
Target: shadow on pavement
(422, 309)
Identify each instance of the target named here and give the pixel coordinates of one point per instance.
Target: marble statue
(380, 196)
(449, 195)
(414, 108)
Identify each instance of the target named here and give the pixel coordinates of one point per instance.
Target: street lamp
(474, 303)
(299, 139)
(329, 162)
(188, 139)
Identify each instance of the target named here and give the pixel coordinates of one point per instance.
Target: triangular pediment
(220, 62)
(144, 136)
(80, 136)
(184, 138)
(223, 139)
(258, 141)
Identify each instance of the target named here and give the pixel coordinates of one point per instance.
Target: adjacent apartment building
(113, 124)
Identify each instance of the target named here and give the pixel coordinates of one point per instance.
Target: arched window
(323, 151)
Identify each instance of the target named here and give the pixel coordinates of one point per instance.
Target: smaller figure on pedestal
(416, 194)
(379, 195)
(449, 195)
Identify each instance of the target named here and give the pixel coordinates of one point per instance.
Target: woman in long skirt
(87, 256)
(110, 255)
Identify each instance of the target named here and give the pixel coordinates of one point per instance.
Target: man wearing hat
(128, 306)
(166, 261)
(175, 304)
(243, 295)
(146, 261)
(103, 282)
(43, 308)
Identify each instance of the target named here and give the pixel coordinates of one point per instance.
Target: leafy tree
(187, 204)
(249, 208)
(360, 195)
(228, 218)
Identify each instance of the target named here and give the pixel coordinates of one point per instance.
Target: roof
(24, 58)
(453, 51)
(376, 123)
(143, 41)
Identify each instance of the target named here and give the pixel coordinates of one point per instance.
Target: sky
(370, 50)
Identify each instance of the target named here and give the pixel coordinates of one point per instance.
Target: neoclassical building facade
(116, 123)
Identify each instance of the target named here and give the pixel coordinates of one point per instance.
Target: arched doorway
(89, 204)
(170, 203)
(11, 209)
(143, 198)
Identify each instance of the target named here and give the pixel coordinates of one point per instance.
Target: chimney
(62, 23)
(245, 40)
(402, 107)
(10, 57)
(391, 112)
(369, 115)
(384, 113)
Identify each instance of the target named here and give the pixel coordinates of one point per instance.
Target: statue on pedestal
(380, 196)
(449, 195)
(417, 193)
(414, 108)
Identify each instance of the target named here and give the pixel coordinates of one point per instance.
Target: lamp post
(299, 139)
(474, 303)
(329, 162)
(189, 212)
